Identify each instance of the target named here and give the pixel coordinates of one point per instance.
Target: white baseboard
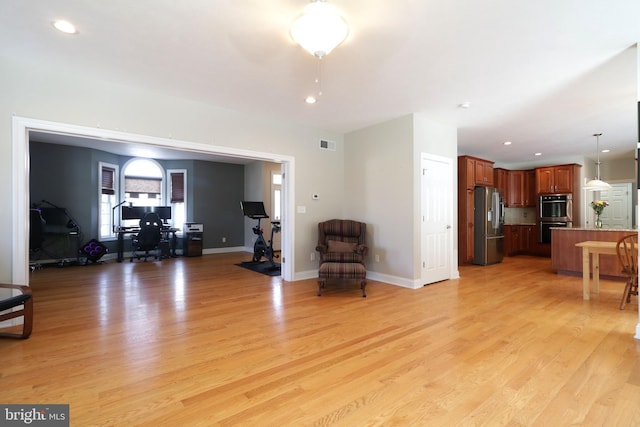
(224, 250)
(304, 275)
(392, 280)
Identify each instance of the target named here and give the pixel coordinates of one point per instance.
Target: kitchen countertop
(630, 230)
(521, 223)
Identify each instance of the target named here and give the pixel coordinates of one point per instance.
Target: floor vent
(327, 145)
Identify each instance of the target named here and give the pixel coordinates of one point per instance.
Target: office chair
(149, 236)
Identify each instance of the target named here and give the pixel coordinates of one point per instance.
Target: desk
(596, 248)
(167, 233)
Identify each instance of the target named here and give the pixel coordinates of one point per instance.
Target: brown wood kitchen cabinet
(521, 187)
(500, 180)
(530, 188)
(484, 173)
(527, 239)
(474, 171)
(557, 179)
(511, 241)
(520, 239)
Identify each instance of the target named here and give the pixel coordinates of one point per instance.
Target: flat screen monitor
(164, 212)
(254, 209)
(137, 212)
(133, 212)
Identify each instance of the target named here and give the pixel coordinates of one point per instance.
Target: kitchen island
(566, 258)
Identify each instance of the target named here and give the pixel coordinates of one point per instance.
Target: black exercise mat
(264, 267)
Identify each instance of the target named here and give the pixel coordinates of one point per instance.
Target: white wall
(382, 181)
(441, 140)
(68, 97)
(379, 182)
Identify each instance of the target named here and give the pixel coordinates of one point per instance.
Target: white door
(618, 213)
(437, 218)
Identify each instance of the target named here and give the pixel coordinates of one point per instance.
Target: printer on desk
(192, 240)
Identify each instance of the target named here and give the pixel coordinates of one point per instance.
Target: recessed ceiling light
(465, 105)
(65, 26)
(606, 150)
(310, 99)
(507, 143)
(538, 154)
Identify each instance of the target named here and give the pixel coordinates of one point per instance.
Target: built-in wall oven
(555, 210)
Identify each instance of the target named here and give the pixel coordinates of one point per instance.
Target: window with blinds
(177, 187)
(143, 187)
(108, 179)
(177, 197)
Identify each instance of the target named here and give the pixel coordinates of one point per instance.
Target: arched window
(143, 182)
(143, 185)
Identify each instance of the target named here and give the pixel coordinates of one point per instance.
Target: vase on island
(598, 222)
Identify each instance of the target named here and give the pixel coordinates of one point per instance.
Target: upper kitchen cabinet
(521, 186)
(484, 173)
(557, 179)
(500, 179)
(474, 171)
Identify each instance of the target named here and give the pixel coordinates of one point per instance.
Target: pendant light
(597, 184)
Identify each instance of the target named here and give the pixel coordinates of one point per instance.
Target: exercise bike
(255, 210)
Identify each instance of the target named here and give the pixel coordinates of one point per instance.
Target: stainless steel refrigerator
(488, 243)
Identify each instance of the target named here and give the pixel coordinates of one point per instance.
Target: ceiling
(545, 75)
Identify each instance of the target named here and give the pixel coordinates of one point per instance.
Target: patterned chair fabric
(342, 248)
(345, 231)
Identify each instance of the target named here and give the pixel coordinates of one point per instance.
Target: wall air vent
(327, 145)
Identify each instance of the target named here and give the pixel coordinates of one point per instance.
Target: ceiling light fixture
(319, 29)
(506, 143)
(597, 184)
(65, 26)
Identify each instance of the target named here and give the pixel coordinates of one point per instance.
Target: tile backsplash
(520, 215)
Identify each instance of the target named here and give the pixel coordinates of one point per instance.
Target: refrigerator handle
(497, 210)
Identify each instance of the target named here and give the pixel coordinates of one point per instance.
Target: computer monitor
(254, 209)
(133, 212)
(164, 212)
(137, 212)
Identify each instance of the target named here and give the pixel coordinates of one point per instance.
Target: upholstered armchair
(342, 248)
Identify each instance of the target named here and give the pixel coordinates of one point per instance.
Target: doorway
(618, 214)
(20, 144)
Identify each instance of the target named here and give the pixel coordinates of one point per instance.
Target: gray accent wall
(218, 189)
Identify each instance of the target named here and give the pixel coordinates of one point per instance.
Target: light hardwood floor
(200, 341)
